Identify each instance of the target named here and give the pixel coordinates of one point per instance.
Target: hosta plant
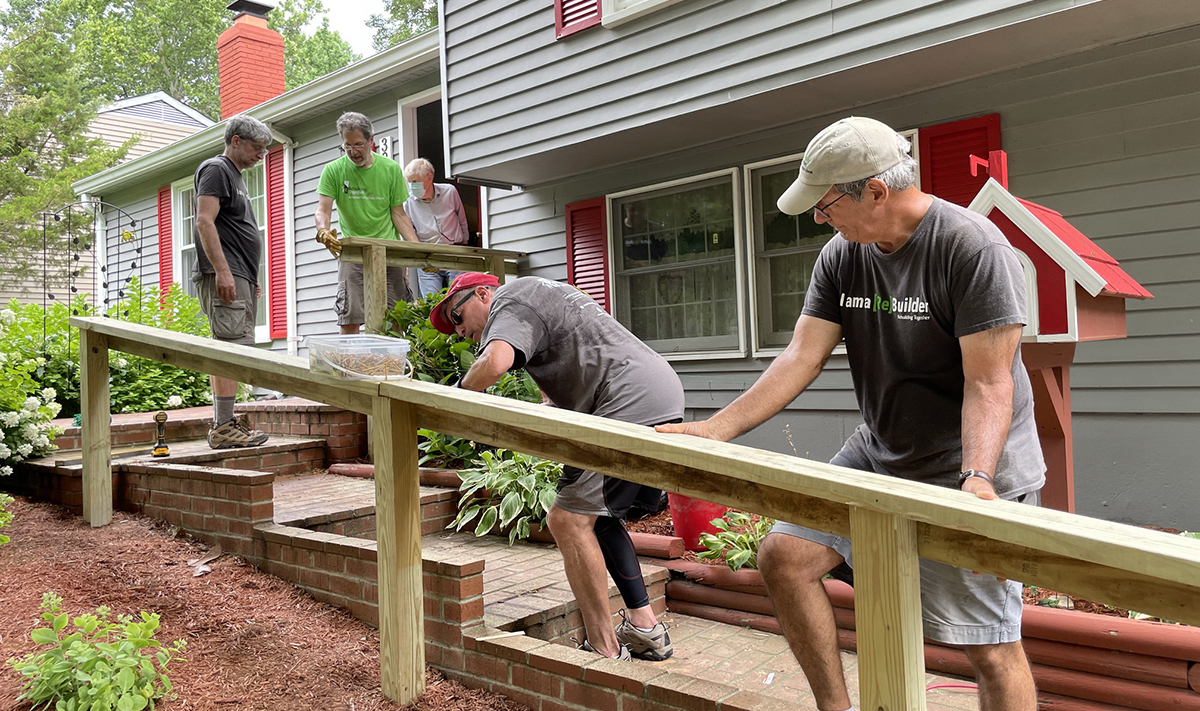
(508, 489)
(738, 538)
(91, 663)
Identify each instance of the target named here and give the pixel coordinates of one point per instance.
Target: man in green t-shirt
(370, 191)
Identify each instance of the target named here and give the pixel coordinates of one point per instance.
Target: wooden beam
(244, 364)
(1151, 571)
(398, 528)
(97, 447)
(417, 250)
(887, 586)
(375, 287)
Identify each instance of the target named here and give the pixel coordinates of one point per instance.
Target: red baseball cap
(466, 280)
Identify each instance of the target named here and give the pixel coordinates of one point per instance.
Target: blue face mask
(416, 190)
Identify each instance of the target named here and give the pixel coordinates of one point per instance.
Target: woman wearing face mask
(438, 217)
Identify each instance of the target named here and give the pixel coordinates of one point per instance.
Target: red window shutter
(166, 245)
(571, 16)
(587, 249)
(946, 151)
(276, 245)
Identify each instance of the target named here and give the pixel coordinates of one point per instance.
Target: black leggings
(621, 560)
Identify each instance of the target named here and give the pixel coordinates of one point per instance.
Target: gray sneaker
(653, 646)
(624, 656)
(235, 433)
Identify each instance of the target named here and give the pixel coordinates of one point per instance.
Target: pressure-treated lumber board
(374, 287)
(244, 364)
(1099, 560)
(887, 577)
(454, 257)
(97, 448)
(398, 533)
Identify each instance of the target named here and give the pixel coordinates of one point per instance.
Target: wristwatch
(972, 473)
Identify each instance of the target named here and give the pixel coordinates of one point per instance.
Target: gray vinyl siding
(515, 91)
(1107, 137)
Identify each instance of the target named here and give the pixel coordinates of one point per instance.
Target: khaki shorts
(349, 303)
(233, 322)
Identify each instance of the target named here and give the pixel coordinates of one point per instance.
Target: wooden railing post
(97, 448)
(495, 265)
(375, 287)
(398, 528)
(887, 587)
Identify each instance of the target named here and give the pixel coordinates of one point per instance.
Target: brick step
(280, 455)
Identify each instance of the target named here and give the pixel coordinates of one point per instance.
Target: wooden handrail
(893, 520)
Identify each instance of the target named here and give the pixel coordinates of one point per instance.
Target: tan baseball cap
(850, 149)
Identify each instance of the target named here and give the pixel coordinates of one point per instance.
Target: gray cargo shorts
(349, 303)
(233, 322)
(957, 606)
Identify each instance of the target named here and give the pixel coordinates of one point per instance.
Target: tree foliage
(401, 20)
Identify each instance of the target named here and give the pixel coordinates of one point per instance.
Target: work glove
(329, 238)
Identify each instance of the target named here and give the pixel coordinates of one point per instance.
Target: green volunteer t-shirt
(365, 196)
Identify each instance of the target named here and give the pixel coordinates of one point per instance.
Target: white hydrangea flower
(41, 441)
(122, 363)
(3, 358)
(10, 418)
(29, 431)
(48, 394)
(41, 361)
(24, 415)
(55, 408)
(5, 470)
(174, 401)
(7, 316)
(25, 449)
(18, 458)
(32, 404)
(208, 396)
(5, 452)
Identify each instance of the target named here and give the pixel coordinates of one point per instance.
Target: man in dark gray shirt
(228, 248)
(585, 361)
(930, 299)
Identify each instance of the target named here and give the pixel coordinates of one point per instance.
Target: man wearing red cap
(930, 299)
(585, 361)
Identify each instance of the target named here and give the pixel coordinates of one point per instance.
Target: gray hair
(247, 129)
(901, 176)
(418, 168)
(354, 121)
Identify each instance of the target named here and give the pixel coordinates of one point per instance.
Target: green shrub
(443, 451)
(26, 408)
(101, 666)
(511, 489)
(738, 539)
(6, 516)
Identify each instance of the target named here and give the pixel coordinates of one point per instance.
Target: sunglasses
(454, 316)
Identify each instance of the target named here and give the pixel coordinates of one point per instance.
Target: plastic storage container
(359, 356)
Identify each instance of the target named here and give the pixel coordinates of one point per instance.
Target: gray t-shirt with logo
(580, 356)
(902, 315)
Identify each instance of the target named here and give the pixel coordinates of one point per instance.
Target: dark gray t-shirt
(902, 315)
(580, 356)
(235, 221)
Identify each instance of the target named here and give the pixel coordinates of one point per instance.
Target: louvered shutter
(166, 245)
(276, 245)
(587, 249)
(946, 151)
(571, 16)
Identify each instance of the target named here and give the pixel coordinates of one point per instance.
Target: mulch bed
(253, 640)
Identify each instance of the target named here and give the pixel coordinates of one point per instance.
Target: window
(256, 187)
(675, 265)
(785, 248)
(618, 12)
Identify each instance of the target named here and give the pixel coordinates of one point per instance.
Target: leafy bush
(101, 666)
(511, 489)
(444, 451)
(738, 539)
(45, 337)
(6, 516)
(25, 410)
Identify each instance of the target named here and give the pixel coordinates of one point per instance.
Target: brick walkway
(524, 584)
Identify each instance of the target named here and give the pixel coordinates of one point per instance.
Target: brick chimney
(249, 59)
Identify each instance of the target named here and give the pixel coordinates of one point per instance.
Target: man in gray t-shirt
(930, 300)
(583, 360)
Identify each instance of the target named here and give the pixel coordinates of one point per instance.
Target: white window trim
(738, 267)
(614, 13)
(748, 230)
(406, 110)
(177, 229)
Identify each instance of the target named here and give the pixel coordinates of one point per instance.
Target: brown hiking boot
(235, 433)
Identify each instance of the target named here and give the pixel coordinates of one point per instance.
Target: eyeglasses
(454, 315)
(354, 146)
(822, 210)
